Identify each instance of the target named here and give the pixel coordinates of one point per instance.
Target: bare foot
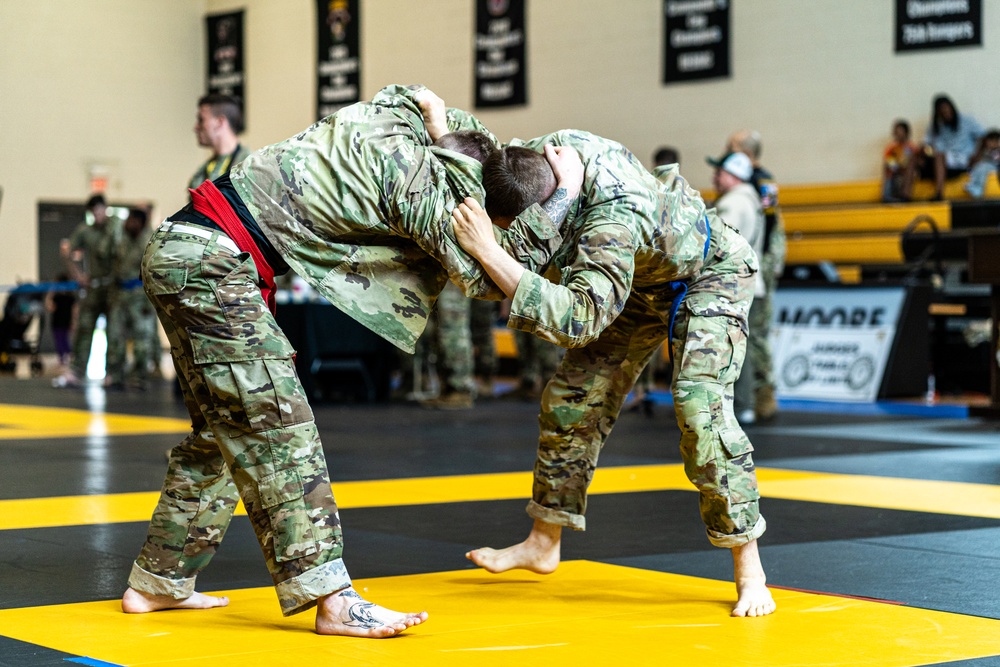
(347, 613)
(539, 553)
(137, 602)
(753, 596)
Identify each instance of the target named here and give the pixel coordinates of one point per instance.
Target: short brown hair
(515, 178)
(224, 105)
(468, 142)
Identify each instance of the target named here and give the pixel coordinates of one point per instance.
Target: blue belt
(680, 289)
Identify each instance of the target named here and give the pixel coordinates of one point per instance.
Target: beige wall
(115, 81)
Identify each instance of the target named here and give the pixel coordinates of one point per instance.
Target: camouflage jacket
(218, 165)
(359, 205)
(98, 246)
(128, 255)
(629, 231)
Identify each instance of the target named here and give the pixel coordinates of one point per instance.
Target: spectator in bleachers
(983, 163)
(899, 162)
(950, 144)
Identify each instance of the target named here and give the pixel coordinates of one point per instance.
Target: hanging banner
(938, 24)
(338, 55)
(695, 40)
(225, 56)
(501, 80)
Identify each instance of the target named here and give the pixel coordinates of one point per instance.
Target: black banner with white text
(695, 40)
(338, 55)
(938, 24)
(501, 79)
(225, 74)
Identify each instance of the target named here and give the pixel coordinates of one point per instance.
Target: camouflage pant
(253, 435)
(537, 359)
(453, 340)
(482, 318)
(581, 403)
(95, 302)
(759, 344)
(132, 318)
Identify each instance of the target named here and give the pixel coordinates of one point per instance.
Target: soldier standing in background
(219, 123)
(133, 317)
(89, 256)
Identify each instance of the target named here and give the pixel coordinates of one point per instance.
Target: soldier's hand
(434, 112)
(473, 227)
(567, 167)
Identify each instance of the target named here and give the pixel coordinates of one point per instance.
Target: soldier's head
(666, 155)
(136, 222)
(515, 178)
(474, 144)
(98, 208)
(746, 142)
(219, 119)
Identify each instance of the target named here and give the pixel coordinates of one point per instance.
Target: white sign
(833, 343)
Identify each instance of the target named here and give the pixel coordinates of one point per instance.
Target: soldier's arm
(591, 294)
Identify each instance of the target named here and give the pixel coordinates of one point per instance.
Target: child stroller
(22, 307)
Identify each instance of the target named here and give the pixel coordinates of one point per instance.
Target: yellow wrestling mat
(585, 614)
(19, 422)
(914, 495)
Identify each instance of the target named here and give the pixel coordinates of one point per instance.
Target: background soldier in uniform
(89, 257)
(359, 208)
(219, 122)
(643, 260)
(133, 318)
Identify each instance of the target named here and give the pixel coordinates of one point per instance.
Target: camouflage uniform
(772, 264)
(98, 245)
(537, 361)
(361, 210)
(218, 165)
(634, 243)
(453, 341)
(482, 317)
(132, 317)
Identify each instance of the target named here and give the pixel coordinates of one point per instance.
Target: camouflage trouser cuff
(730, 541)
(300, 593)
(557, 517)
(152, 584)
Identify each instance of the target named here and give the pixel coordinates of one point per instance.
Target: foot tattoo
(360, 612)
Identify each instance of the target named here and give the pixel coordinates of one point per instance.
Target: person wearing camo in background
(133, 317)
(89, 257)
(359, 207)
(642, 262)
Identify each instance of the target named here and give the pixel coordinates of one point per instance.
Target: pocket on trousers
(251, 376)
(281, 494)
(164, 281)
(740, 477)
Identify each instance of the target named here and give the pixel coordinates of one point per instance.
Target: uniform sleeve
(592, 292)
(77, 240)
(423, 214)
(403, 100)
(459, 121)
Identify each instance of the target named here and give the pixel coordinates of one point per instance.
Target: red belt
(213, 205)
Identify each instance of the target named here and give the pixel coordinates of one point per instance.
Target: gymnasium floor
(883, 546)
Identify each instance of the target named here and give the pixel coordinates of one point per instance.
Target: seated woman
(951, 142)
